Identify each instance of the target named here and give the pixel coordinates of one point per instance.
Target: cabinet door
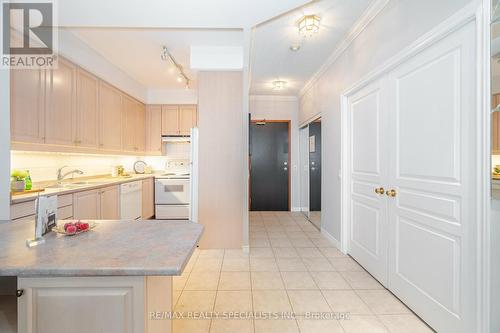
(110, 114)
(82, 304)
(187, 118)
(140, 128)
(129, 124)
(27, 91)
(170, 120)
(60, 113)
(153, 128)
(87, 108)
(148, 204)
(110, 203)
(86, 205)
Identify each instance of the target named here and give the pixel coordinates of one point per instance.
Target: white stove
(173, 191)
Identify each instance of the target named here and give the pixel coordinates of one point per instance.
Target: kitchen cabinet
(129, 124)
(148, 201)
(178, 119)
(60, 110)
(187, 119)
(87, 109)
(99, 204)
(495, 125)
(109, 203)
(110, 115)
(153, 129)
(27, 101)
(140, 130)
(86, 205)
(170, 120)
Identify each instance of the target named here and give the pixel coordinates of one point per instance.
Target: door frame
(478, 12)
(289, 123)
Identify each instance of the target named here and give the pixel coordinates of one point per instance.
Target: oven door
(172, 191)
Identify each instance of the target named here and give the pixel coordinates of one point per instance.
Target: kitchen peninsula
(107, 280)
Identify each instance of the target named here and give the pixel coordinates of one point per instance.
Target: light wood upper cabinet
(148, 202)
(178, 119)
(110, 203)
(27, 118)
(187, 119)
(495, 125)
(86, 205)
(60, 111)
(87, 107)
(170, 120)
(129, 124)
(153, 129)
(110, 111)
(140, 128)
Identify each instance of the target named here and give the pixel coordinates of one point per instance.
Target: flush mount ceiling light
(294, 48)
(308, 25)
(166, 55)
(279, 84)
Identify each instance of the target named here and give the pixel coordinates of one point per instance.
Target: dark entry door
(315, 167)
(269, 166)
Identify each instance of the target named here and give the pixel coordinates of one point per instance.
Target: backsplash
(495, 160)
(43, 166)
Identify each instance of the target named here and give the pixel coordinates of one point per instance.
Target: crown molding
(273, 98)
(368, 15)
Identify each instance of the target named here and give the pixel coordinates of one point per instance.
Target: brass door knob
(380, 190)
(391, 193)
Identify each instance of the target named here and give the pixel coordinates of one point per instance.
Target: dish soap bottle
(28, 182)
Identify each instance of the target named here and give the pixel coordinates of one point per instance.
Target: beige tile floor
(291, 269)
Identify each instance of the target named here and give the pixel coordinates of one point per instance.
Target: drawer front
(64, 200)
(65, 213)
(172, 212)
(22, 209)
(26, 218)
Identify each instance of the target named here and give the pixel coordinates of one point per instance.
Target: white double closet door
(413, 131)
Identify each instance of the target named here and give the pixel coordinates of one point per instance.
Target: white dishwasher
(131, 200)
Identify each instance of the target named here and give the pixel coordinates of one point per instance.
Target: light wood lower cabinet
(110, 203)
(94, 304)
(148, 201)
(99, 204)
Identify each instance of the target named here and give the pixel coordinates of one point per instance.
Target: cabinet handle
(391, 193)
(19, 292)
(380, 190)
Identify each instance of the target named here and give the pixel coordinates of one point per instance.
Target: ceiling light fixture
(166, 55)
(279, 84)
(308, 25)
(295, 48)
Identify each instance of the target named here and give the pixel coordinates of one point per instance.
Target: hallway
(291, 270)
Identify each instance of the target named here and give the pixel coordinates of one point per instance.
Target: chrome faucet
(61, 176)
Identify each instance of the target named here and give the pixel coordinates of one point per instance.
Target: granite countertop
(95, 182)
(112, 248)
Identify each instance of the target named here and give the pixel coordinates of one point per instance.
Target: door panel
(60, 114)
(153, 128)
(110, 110)
(315, 168)
(169, 120)
(129, 124)
(87, 109)
(432, 138)
(110, 203)
(269, 174)
(86, 205)
(368, 234)
(187, 119)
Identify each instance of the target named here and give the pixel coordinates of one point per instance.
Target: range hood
(176, 139)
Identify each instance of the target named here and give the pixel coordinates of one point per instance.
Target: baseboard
(332, 239)
(246, 248)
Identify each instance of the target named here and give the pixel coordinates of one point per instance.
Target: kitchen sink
(76, 184)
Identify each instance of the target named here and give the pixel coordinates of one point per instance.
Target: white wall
(398, 25)
(4, 145)
(172, 96)
(282, 108)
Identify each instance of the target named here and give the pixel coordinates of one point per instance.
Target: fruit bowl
(74, 227)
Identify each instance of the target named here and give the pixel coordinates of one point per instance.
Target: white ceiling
(137, 51)
(272, 58)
